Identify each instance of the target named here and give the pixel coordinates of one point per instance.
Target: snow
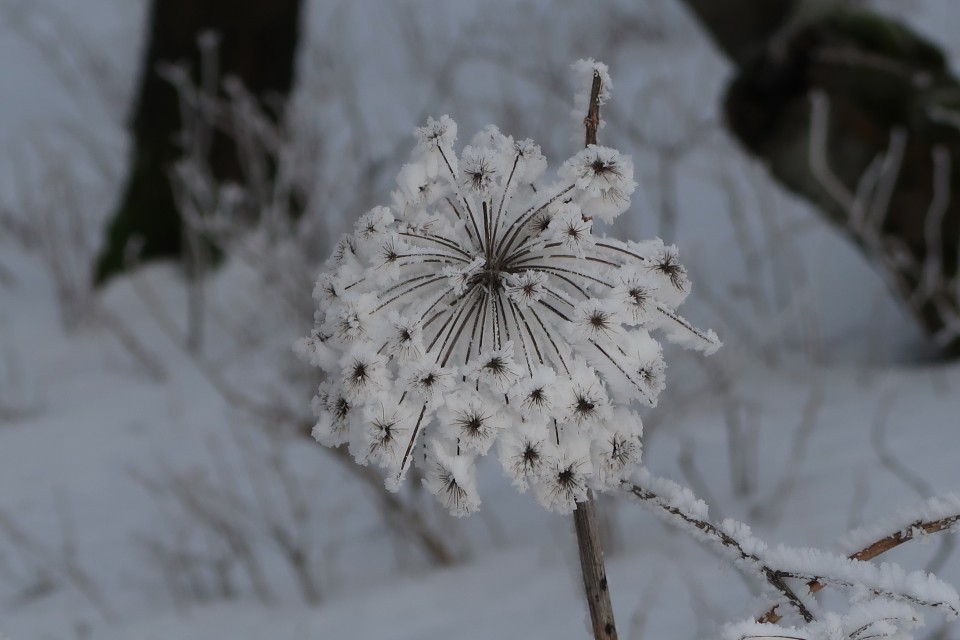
(801, 447)
(864, 577)
(866, 620)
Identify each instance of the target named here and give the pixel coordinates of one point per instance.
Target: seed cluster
(481, 309)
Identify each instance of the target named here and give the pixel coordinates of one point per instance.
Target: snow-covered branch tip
(864, 621)
(678, 506)
(592, 120)
(873, 588)
(593, 91)
(939, 514)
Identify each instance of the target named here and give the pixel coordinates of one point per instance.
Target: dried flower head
(481, 308)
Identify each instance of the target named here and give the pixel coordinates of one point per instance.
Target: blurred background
(174, 172)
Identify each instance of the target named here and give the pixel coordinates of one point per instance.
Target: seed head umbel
(483, 310)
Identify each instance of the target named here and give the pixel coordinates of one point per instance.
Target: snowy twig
(403, 516)
(872, 619)
(152, 365)
(252, 226)
(819, 166)
(905, 535)
(592, 121)
(62, 562)
(889, 583)
(902, 532)
(919, 274)
(689, 511)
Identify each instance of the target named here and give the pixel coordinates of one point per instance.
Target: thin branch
(882, 545)
(592, 122)
(713, 533)
(896, 539)
(62, 563)
(884, 593)
(819, 165)
(933, 227)
(404, 517)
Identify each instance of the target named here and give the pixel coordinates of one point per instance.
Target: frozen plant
(481, 309)
(885, 600)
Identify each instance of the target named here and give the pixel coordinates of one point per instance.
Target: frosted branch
(680, 507)
(887, 583)
(933, 516)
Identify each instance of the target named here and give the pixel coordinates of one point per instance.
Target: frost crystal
(481, 309)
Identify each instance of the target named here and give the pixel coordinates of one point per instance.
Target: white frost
(482, 307)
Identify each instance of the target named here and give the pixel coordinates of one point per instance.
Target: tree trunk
(859, 115)
(257, 45)
(738, 27)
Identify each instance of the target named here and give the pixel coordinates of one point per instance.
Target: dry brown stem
(592, 122)
(585, 516)
(594, 571)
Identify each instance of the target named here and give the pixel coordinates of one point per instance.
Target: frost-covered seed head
(482, 307)
(385, 431)
(472, 424)
(615, 451)
(563, 481)
(437, 134)
(522, 453)
(668, 264)
(587, 402)
(479, 169)
(451, 478)
(527, 288)
(603, 181)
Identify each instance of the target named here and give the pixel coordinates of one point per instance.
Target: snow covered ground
(836, 428)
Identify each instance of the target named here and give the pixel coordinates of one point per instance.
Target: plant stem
(594, 572)
(592, 121)
(585, 516)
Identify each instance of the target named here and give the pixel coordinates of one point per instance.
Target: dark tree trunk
(879, 87)
(739, 27)
(258, 42)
